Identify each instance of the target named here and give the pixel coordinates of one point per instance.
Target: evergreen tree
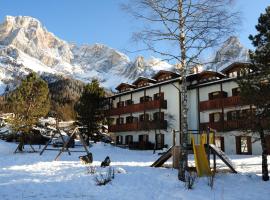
(28, 102)
(89, 108)
(255, 85)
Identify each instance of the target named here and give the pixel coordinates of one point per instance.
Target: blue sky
(103, 21)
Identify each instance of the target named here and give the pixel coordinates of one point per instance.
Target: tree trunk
(265, 175)
(21, 142)
(183, 161)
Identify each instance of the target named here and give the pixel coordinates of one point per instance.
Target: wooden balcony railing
(219, 103)
(232, 125)
(149, 105)
(138, 126)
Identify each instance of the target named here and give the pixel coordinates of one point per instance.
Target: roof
(234, 65)
(125, 84)
(205, 74)
(165, 72)
(143, 78)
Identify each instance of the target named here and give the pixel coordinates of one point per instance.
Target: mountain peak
(231, 51)
(22, 21)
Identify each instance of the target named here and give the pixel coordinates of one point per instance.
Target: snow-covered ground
(31, 176)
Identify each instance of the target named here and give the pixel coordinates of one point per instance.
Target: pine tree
(255, 86)
(89, 108)
(28, 102)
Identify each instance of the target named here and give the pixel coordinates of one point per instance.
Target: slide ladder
(162, 159)
(200, 157)
(222, 156)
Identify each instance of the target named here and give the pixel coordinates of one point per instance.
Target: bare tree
(187, 28)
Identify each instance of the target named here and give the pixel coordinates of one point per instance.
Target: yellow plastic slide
(200, 157)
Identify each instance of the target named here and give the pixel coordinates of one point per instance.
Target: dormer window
(124, 87)
(143, 81)
(164, 75)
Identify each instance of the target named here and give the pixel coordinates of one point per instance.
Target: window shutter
(210, 96)
(222, 144)
(238, 144)
(146, 118)
(162, 116)
(229, 115)
(249, 145)
(211, 117)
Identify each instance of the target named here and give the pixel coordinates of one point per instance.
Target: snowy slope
(31, 176)
(27, 45)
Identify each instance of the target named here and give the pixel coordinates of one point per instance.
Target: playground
(31, 176)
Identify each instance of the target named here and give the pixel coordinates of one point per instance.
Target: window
(128, 102)
(143, 138)
(144, 117)
(164, 77)
(120, 120)
(119, 139)
(143, 83)
(158, 96)
(233, 74)
(159, 141)
(131, 119)
(219, 142)
(217, 95)
(125, 89)
(243, 145)
(158, 116)
(233, 115)
(245, 114)
(120, 104)
(236, 91)
(215, 117)
(145, 99)
(129, 139)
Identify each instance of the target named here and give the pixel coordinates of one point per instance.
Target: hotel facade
(146, 114)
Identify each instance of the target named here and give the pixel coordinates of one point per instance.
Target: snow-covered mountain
(231, 51)
(26, 45)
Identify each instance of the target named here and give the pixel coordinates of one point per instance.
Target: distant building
(145, 112)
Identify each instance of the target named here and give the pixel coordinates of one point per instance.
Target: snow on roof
(164, 71)
(143, 78)
(124, 84)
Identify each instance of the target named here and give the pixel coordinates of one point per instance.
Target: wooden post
(208, 149)
(176, 156)
(214, 155)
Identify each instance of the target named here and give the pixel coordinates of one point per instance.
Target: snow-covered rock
(26, 45)
(231, 51)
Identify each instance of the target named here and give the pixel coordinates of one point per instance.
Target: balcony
(138, 126)
(232, 125)
(232, 101)
(149, 105)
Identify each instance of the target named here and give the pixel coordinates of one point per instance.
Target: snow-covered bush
(104, 178)
(91, 169)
